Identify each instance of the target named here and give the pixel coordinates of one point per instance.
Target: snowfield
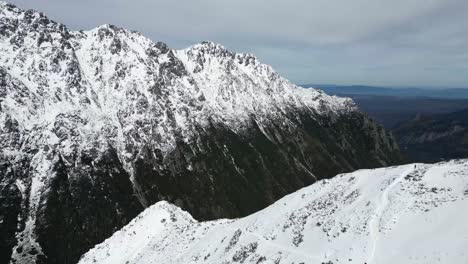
(414, 213)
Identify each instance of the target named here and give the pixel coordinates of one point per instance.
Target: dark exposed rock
(86, 202)
(10, 210)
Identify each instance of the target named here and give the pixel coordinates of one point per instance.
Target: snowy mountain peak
(29, 19)
(98, 73)
(108, 118)
(368, 216)
(211, 48)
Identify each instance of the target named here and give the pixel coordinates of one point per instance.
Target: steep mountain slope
(433, 138)
(407, 214)
(97, 125)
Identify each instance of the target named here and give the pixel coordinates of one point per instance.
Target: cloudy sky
(376, 42)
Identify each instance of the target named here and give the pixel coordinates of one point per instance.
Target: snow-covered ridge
(407, 214)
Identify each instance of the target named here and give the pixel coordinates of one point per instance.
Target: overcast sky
(374, 42)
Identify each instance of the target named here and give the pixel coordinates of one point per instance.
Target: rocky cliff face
(97, 125)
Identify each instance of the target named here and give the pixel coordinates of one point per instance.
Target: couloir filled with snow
(406, 214)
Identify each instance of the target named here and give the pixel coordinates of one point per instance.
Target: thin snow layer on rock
(238, 84)
(407, 214)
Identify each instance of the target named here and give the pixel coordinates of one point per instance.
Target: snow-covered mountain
(408, 214)
(97, 125)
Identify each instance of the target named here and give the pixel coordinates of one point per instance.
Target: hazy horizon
(419, 43)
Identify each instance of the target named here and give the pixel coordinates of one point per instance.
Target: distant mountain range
(393, 110)
(453, 93)
(430, 125)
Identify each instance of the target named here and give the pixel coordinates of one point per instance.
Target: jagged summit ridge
(105, 68)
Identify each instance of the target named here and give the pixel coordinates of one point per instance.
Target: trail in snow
(374, 223)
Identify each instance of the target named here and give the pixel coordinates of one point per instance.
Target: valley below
(430, 125)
